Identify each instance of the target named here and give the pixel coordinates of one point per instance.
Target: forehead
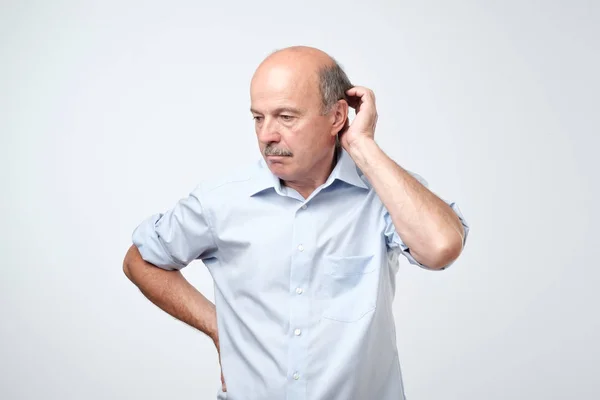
(275, 87)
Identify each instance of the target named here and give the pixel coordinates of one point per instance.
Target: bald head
(309, 68)
(305, 57)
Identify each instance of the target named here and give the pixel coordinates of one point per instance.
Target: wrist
(213, 334)
(362, 151)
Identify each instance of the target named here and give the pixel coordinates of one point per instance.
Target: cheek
(316, 134)
(303, 136)
(290, 135)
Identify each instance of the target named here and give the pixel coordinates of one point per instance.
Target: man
(303, 246)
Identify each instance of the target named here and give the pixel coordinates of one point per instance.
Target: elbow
(440, 256)
(127, 269)
(445, 255)
(129, 262)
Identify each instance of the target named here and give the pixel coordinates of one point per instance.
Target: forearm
(426, 224)
(172, 293)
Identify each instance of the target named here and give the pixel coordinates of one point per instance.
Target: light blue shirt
(303, 287)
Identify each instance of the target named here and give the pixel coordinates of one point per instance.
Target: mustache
(270, 150)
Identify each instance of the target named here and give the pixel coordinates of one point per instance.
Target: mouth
(276, 159)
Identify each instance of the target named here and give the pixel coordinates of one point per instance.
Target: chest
(276, 229)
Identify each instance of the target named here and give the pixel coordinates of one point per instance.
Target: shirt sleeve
(173, 239)
(395, 243)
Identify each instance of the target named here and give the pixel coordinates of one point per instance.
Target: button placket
(303, 239)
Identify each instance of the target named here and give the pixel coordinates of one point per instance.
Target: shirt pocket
(350, 287)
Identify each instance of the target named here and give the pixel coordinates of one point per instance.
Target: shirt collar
(264, 179)
(345, 170)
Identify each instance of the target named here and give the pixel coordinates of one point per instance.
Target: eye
(286, 118)
(257, 118)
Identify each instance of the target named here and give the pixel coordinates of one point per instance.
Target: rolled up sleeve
(395, 243)
(173, 239)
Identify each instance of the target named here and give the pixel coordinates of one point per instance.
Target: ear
(339, 117)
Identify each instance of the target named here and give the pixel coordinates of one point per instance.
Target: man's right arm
(163, 244)
(172, 293)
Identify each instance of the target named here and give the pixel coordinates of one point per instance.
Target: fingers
(360, 91)
(359, 95)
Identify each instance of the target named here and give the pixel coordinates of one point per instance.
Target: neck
(316, 177)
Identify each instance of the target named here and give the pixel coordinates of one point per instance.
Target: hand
(223, 386)
(363, 125)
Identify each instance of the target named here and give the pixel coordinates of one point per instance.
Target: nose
(267, 131)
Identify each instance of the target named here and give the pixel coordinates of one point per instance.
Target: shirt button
(301, 248)
(296, 376)
(297, 332)
(304, 206)
(299, 290)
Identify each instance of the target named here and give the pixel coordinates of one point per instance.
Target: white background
(112, 111)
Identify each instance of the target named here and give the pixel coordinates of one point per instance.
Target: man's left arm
(425, 223)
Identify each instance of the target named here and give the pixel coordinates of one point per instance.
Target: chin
(278, 169)
(280, 166)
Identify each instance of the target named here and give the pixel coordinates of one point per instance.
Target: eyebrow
(280, 110)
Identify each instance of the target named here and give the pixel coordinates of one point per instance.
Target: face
(295, 139)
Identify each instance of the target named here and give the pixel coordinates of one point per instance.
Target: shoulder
(230, 184)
